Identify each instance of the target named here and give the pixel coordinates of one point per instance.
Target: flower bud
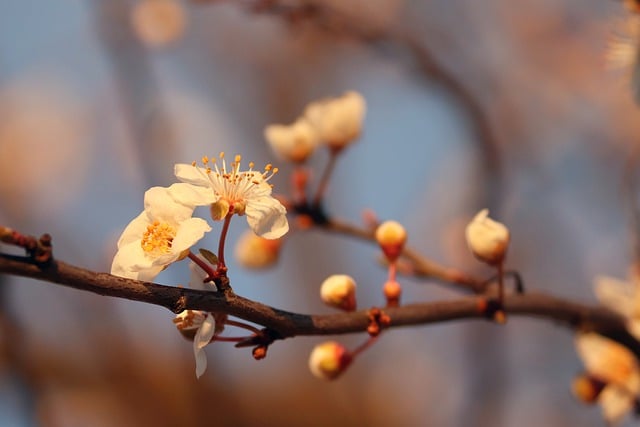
(586, 388)
(253, 251)
(487, 239)
(392, 291)
(328, 360)
(294, 143)
(391, 236)
(337, 121)
(158, 22)
(339, 290)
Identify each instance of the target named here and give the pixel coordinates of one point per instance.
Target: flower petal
(159, 204)
(134, 229)
(191, 174)
(202, 338)
(189, 232)
(616, 402)
(267, 217)
(192, 195)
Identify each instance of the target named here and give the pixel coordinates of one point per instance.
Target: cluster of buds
(334, 122)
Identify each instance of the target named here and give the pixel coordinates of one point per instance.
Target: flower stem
(365, 345)
(326, 175)
(204, 266)
(242, 325)
(222, 267)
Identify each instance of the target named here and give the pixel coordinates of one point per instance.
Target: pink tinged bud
(339, 290)
(328, 360)
(391, 236)
(487, 239)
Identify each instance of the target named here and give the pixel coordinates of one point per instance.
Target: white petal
(189, 232)
(134, 229)
(201, 362)
(192, 195)
(159, 204)
(191, 174)
(205, 332)
(196, 279)
(267, 217)
(202, 338)
(616, 403)
(616, 294)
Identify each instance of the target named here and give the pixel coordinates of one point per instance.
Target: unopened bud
(339, 290)
(337, 121)
(391, 236)
(487, 239)
(328, 360)
(586, 389)
(253, 251)
(219, 209)
(294, 143)
(392, 291)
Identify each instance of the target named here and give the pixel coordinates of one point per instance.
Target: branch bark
(287, 324)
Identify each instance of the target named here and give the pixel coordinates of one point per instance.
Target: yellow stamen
(157, 239)
(205, 160)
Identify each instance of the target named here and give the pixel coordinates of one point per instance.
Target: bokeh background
(499, 104)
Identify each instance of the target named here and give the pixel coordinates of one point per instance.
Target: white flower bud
(337, 121)
(294, 143)
(391, 236)
(253, 251)
(339, 290)
(328, 360)
(487, 239)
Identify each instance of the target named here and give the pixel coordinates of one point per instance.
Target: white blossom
(294, 142)
(337, 121)
(161, 234)
(238, 192)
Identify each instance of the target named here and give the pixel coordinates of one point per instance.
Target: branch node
(378, 320)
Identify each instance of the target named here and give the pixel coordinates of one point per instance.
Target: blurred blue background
(98, 100)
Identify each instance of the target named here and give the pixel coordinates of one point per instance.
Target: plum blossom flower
(614, 373)
(161, 234)
(199, 326)
(238, 192)
(622, 297)
(337, 121)
(294, 142)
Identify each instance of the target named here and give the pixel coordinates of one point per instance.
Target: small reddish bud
(391, 236)
(392, 291)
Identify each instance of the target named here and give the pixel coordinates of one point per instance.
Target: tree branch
(287, 324)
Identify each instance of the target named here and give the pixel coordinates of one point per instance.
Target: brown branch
(420, 265)
(287, 324)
